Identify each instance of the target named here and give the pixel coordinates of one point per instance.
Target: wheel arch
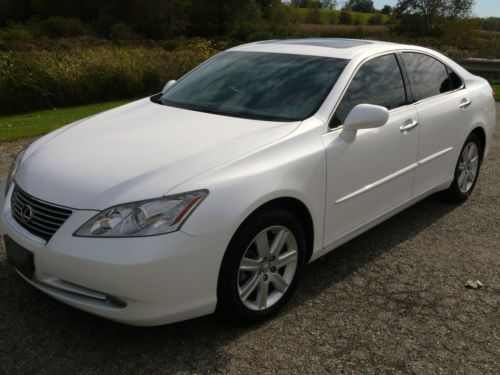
(481, 134)
(301, 212)
(298, 208)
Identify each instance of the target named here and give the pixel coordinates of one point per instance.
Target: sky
(483, 8)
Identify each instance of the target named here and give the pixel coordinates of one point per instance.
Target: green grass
(37, 123)
(497, 91)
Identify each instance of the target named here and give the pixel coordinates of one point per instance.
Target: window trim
(447, 67)
(407, 86)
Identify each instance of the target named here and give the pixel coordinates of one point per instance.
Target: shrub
(345, 18)
(122, 31)
(314, 16)
(332, 18)
(15, 32)
(261, 35)
(376, 19)
(63, 26)
(37, 79)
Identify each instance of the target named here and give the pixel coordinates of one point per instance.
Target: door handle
(408, 125)
(464, 103)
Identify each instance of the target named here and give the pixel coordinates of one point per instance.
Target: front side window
(429, 77)
(378, 81)
(262, 86)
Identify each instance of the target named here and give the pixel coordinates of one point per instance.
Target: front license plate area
(20, 258)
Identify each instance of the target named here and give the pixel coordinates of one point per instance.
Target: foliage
(428, 17)
(345, 18)
(364, 6)
(37, 123)
(122, 31)
(459, 32)
(222, 17)
(387, 9)
(324, 4)
(490, 24)
(331, 16)
(58, 26)
(376, 19)
(38, 79)
(15, 31)
(436, 8)
(314, 16)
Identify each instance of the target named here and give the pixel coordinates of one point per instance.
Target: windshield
(263, 86)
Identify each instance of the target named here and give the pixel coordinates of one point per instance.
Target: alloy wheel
(267, 268)
(468, 167)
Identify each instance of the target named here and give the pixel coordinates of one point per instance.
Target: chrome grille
(38, 217)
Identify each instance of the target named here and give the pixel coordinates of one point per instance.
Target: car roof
(328, 47)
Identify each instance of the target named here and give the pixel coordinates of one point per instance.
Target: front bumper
(140, 281)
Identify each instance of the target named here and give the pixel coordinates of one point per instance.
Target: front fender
(293, 167)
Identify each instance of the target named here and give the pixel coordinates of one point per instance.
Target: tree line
(159, 19)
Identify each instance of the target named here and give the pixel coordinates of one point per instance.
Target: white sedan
(213, 195)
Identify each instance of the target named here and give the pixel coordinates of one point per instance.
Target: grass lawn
(497, 91)
(37, 123)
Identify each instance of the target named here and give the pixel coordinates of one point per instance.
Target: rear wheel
(466, 170)
(262, 265)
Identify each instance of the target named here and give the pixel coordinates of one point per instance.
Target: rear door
(374, 174)
(442, 103)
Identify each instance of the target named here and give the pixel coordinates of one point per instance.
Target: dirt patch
(8, 150)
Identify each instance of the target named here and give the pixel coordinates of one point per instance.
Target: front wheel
(261, 267)
(466, 170)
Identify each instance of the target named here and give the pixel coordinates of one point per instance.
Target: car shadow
(43, 335)
(347, 259)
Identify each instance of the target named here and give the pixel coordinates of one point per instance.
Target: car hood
(138, 151)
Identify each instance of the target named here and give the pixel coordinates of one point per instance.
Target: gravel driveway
(392, 300)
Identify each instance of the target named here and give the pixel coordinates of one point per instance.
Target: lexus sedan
(214, 194)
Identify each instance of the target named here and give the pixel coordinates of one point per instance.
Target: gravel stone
(390, 301)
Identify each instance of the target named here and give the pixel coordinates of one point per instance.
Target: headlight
(144, 218)
(13, 169)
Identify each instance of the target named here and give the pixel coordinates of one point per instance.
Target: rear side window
(455, 80)
(429, 77)
(378, 81)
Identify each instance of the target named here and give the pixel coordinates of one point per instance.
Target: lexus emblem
(27, 213)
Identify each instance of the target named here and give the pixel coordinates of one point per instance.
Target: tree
(387, 9)
(313, 16)
(13, 10)
(365, 6)
(429, 17)
(325, 4)
(220, 17)
(376, 19)
(156, 19)
(454, 9)
(345, 18)
(328, 4)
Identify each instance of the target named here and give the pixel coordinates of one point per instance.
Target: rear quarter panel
(483, 107)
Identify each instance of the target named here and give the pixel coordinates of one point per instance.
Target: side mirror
(168, 85)
(363, 116)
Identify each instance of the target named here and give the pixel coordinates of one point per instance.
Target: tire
(248, 268)
(466, 170)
